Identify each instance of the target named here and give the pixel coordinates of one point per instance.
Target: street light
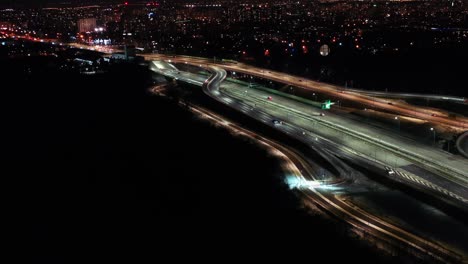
(434, 134)
(397, 119)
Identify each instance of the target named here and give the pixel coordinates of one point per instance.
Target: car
(300, 80)
(433, 115)
(322, 114)
(276, 122)
(269, 98)
(390, 103)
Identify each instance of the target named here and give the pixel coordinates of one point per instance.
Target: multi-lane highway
(435, 117)
(329, 149)
(447, 98)
(408, 156)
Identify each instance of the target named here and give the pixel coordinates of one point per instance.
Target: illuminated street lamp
(434, 135)
(367, 114)
(398, 120)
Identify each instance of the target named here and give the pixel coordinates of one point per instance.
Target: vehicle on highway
(277, 122)
(269, 98)
(322, 114)
(433, 115)
(390, 103)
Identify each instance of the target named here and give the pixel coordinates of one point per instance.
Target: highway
(455, 99)
(430, 115)
(406, 157)
(384, 145)
(303, 172)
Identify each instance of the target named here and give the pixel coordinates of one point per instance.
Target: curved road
(354, 216)
(328, 89)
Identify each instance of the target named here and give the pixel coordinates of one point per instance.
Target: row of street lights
(431, 129)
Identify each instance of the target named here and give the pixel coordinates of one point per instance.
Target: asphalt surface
(455, 99)
(315, 141)
(435, 117)
(320, 125)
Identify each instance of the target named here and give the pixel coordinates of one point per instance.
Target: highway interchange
(348, 193)
(340, 141)
(328, 89)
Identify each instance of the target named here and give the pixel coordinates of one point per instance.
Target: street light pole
(398, 120)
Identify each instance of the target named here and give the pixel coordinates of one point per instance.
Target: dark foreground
(103, 171)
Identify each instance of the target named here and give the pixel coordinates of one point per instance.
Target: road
(302, 171)
(346, 137)
(455, 99)
(381, 144)
(430, 115)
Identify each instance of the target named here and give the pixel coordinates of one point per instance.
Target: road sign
(327, 104)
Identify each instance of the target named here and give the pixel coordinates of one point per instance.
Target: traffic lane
(382, 135)
(408, 110)
(292, 130)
